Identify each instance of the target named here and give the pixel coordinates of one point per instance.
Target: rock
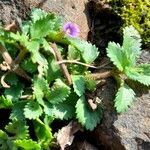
(11, 10)
(129, 130)
(72, 10)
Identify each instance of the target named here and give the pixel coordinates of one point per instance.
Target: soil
(131, 130)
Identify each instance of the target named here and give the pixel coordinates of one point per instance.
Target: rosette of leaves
(124, 58)
(39, 93)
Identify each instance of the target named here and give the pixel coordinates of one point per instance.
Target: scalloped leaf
(17, 111)
(43, 133)
(78, 84)
(124, 98)
(14, 92)
(40, 87)
(141, 73)
(29, 66)
(116, 55)
(86, 116)
(131, 44)
(32, 110)
(88, 51)
(59, 92)
(60, 111)
(27, 144)
(18, 129)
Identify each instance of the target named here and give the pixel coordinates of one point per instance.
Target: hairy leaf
(124, 98)
(18, 129)
(140, 73)
(86, 116)
(131, 44)
(5, 103)
(32, 110)
(43, 133)
(53, 71)
(59, 92)
(40, 87)
(14, 92)
(17, 111)
(61, 111)
(29, 66)
(27, 144)
(116, 55)
(78, 84)
(88, 51)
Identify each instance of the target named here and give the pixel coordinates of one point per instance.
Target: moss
(136, 13)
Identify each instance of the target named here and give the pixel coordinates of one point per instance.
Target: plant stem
(100, 75)
(62, 66)
(84, 64)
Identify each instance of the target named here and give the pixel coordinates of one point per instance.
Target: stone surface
(129, 130)
(72, 10)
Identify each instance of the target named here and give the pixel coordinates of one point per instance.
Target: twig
(14, 65)
(84, 64)
(62, 66)
(100, 75)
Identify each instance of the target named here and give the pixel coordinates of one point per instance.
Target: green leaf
(43, 133)
(46, 22)
(124, 98)
(37, 14)
(12, 79)
(17, 111)
(53, 71)
(59, 92)
(86, 116)
(5, 103)
(32, 110)
(5, 143)
(40, 87)
(27, 144)
(140, 73)
(29, 66)
(73, 53)
(116, 55)
(131, 44)
(14, 92)
(88, 51)
(18, 129)
(78, 84)
(61, 111)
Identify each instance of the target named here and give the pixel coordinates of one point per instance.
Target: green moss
(136, 13)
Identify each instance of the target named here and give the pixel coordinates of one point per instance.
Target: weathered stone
(129, 130)
(71, 10)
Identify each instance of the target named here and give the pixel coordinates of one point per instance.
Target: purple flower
(71, 29)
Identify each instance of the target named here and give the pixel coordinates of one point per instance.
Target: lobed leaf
(124, 98)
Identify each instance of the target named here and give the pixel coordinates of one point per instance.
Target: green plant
(124, 58)
(36, 88)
